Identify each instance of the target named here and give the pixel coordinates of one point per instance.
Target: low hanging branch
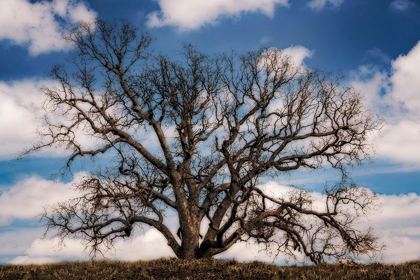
(195, 134)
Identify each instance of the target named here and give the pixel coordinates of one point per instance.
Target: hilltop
(206, 269)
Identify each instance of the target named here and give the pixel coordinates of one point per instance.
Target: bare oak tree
(196, 135)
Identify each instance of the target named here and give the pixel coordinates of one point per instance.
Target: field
(208, 269)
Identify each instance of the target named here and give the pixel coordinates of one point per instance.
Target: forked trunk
(195, 252)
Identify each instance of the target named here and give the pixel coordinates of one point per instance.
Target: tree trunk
(190, 245)
(195, 252)
(205, 252)
(188, 253)
(190, 242)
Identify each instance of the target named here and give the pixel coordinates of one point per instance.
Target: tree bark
(190, 243)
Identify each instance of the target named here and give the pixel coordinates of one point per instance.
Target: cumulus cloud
(147, 246)
(399, 142)
(321, 4)
(22, 116)
(405, 81)
(298, 54)
(395, 96)
(397, 225)
(26, 198)
(192, 14)
(402, 5)
(370, 82)
(19, 115)
(17, 241)
(41, 25)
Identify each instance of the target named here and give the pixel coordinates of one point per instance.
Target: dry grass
(208, 269)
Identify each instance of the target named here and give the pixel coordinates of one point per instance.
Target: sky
(375, 44)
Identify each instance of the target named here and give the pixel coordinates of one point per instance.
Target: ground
(206, 269)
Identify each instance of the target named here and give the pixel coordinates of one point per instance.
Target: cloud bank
(20, 112)
(27, 198)
(397, 225)
(147, 246)
(395, 96)
(41, 25)
(22, 117)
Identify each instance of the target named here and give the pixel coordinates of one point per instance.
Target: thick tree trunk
(193, 252)
(190, 245)
(191, 249)
(190, 242)
(188, 253)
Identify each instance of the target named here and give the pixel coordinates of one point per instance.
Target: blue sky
(374, 43)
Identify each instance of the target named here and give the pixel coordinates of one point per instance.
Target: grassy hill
(208, 269)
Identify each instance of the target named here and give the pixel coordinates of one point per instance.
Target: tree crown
(194, 135)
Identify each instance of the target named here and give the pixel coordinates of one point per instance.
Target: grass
(206, 269)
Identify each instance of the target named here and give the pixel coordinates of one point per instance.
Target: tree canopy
(196, 134)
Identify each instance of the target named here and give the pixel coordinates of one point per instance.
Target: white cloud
(192, 14)
(298, 54)
(321, 4)
(402, 5)
(405, 81)
(370, 82)
(147, 246)
(27, 197)
(395, 96)
(396, 224)
(399, 142)
(29, 260)
(19, 116)
(42, 24)
(398, 227)
(17, 241)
